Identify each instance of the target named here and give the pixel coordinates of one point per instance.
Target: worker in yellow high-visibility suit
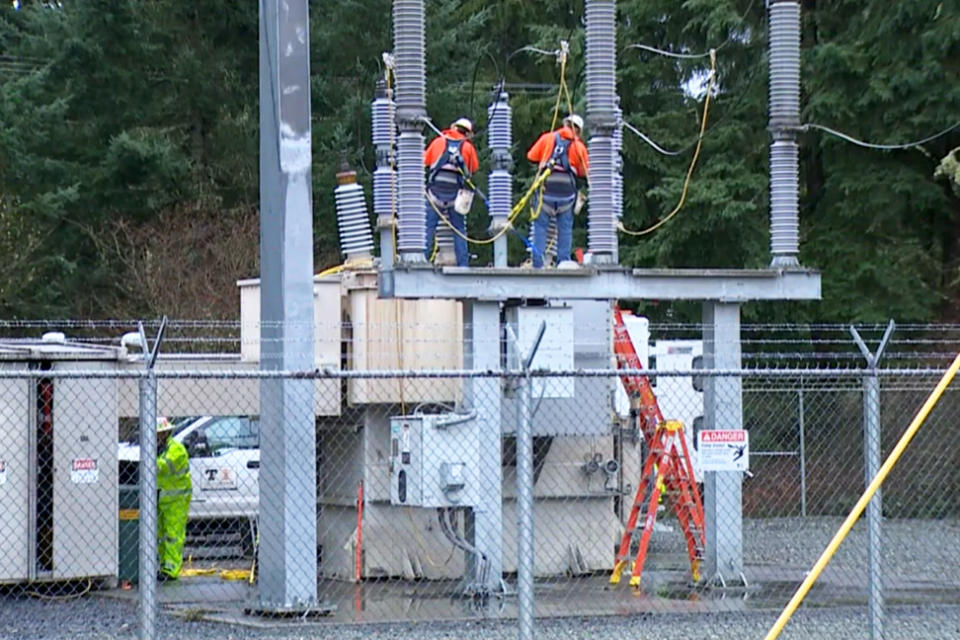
(174, 490)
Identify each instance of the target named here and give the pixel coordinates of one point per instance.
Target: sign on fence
(724, 449)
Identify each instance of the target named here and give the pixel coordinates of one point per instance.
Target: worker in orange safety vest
(450, 159)
(564, 154)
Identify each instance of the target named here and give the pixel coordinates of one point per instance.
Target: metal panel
(85, 485)
(592, 397)
(434, 460)
(214, 396)
(14, 477)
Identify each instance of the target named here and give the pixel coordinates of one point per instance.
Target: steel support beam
(288, 491)
(724, 285)
(481, 351)
(722, 409)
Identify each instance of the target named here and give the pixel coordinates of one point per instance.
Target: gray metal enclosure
(58, 483)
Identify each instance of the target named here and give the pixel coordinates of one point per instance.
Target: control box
(433, 460)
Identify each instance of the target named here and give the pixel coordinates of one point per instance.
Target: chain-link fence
(444, 495)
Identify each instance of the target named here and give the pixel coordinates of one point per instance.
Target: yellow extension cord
(693, 162)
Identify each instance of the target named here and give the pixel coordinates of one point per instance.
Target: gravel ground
(108, 620)
(920, 560)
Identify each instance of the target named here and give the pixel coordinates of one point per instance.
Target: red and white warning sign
(3, 472)
(724, 449)
(84, 471)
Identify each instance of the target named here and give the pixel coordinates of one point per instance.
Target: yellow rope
(538, 180)
(693, 162)
(517, 209)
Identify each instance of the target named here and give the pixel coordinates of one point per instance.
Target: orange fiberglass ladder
(667, 468)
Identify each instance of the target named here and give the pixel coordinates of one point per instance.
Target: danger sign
(724, 449)
(84, 471)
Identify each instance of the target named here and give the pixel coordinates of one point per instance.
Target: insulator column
(356, 237)
(409, 52)
(618, 162)
(384, 177)
(784, 125)
(601, 116)
(500, 181)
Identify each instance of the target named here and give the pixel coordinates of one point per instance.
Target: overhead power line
(885, 147)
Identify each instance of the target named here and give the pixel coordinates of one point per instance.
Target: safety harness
(446, 175)
(562, 181)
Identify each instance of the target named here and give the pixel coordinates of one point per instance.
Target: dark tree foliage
(124, 119)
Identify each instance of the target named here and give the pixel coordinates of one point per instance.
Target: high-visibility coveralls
(173, 505)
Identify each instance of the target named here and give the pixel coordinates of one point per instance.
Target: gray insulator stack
(409, 54)
(784, 124)
(412, 228)
(601, 105)
(499, 140)
(445, 251)
(384, 178)
(410, 73)
(618, 159)
(500, 180)
(356, 237)
(550, 249)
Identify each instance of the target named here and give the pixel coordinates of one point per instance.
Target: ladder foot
(617, 570)
(635, 582)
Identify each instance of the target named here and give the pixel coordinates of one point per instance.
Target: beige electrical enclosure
(327, 321)
(403, 334)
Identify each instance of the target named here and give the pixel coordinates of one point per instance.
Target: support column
(723, 409)
(288, 489)
(481, 352)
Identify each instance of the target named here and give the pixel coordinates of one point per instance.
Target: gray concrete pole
(723, 409)
(288, 493)
(148, 506)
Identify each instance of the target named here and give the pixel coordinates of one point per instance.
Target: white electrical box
(433, 460)
(555, 350)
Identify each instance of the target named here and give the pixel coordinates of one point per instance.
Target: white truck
(224, 465)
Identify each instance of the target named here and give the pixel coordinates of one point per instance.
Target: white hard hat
(463, 123)
(575, 120)
(163, 424)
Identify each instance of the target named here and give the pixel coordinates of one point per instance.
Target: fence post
(148, 506)
(871, 465)
(148, 488)
(525, 542)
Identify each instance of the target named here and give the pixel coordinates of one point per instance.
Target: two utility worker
(564, 154)
(174, 490)
(450, 159)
